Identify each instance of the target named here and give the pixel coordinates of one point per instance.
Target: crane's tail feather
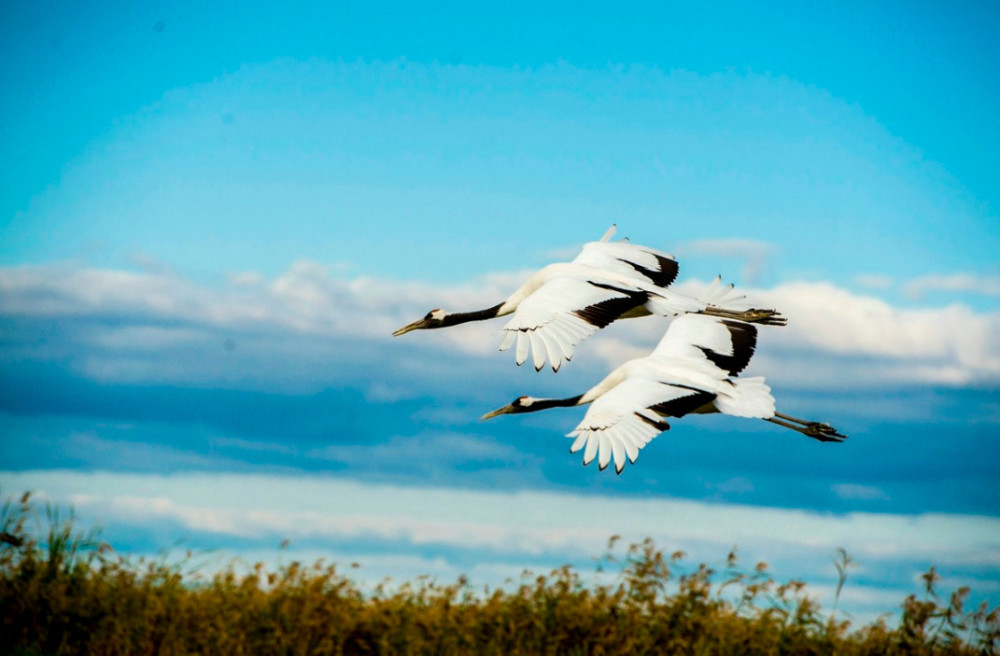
(724, 301)
(717, 300)
(667, 303)
(719, 295)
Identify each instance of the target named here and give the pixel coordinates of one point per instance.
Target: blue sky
(213, 218)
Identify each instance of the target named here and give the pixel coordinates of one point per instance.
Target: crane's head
(520, 404)
(433, 319)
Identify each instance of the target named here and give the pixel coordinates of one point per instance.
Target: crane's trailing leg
(753, 315)
(817, 430)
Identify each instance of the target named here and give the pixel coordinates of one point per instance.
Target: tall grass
(64, 592)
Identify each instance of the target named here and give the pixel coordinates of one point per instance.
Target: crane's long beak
(419, 323)
(507, 409)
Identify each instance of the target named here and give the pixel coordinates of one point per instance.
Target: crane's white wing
(622, 421)
(648, 264)
(726, 343)
(562, 313)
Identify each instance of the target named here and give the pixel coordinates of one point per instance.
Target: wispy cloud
(753, 253)
(956, 282)
(428, 454)
(917, 288)
(854, 491)
(874, 281)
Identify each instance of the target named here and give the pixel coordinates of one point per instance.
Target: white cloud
(962, 344)
(838, 339)
(155, 326)
(304, 299)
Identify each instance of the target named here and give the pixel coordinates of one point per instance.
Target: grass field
(63, 591)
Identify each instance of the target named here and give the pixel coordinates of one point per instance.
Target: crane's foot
(766, 317)
(817, 430)
(753, 315)
(823, 432)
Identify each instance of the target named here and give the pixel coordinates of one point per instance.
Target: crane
(564, 303)
(693, 370)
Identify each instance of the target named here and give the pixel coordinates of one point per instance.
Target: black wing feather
(603, 313)
(743, 337)
(662, 278)
(683, 405)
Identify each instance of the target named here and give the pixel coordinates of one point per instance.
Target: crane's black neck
(465, 317)
(545, 404)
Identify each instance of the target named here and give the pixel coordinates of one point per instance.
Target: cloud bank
(154, 326)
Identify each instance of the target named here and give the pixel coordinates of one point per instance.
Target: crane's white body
(551, 309)
(562, 304)
(627, 406)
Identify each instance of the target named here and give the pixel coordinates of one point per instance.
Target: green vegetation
(67, 593)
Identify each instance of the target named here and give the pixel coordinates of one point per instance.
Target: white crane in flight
(566, 302)
(692, 370)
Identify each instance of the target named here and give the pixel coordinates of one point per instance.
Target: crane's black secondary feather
(603, 313)
(685, 404)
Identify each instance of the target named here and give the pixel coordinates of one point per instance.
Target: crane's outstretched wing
(619, 423)
(562, 313)
(726, 343)
(648, 264)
